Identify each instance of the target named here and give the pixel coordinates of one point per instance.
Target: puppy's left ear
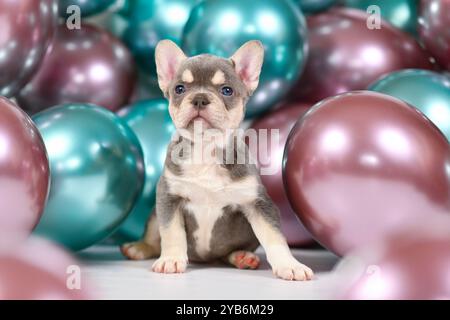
(168, 58)
(248, 61)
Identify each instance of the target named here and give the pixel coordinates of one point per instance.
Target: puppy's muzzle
(200, 101)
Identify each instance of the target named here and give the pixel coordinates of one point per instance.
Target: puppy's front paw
(293, 270)
(170, 264)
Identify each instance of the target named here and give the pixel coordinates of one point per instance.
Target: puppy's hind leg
(243, 260)
(148, 247)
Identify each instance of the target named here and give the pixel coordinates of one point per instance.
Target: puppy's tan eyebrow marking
(218, 78)
(187, 76)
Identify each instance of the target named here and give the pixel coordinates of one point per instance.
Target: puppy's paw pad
(245, 260)
(170, 265)
(136, 250)
(295, 271)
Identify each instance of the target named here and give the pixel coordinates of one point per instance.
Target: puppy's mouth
(200, 120)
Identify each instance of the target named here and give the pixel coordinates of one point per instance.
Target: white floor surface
(113, 277)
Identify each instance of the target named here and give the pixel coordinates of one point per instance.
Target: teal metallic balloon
(314, 6)
(149, 21)
(220, 27)
(124, 9)
(151, 122)
(96, 170)
(87, 7)
(401, 13)
(428, 91)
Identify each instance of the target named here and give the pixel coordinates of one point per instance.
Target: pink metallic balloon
(39, 270)
(271, 156)
(434, 29)
(409, 265)
(360, 165)
(88, 65)
(26, 29)
(346, 55)
(24, 174)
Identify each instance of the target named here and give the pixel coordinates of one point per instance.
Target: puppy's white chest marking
(208, 189)
(212, 185)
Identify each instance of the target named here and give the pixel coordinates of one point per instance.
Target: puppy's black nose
(200, 101)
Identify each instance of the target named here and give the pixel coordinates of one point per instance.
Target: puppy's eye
(180, 89)
(227, 91)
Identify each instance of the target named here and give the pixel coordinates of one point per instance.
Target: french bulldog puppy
(212, 210)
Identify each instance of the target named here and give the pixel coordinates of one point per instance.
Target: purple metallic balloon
(24, 174)
(38, 270)
(26, 29)
(362, 164)
(346, 55)
(271, 157)
(411, 265)
(88, 65)
(434, 29)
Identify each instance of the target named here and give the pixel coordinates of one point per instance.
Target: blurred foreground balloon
(270, 157)
(96, 173)
(24, 174)
(148, 22)
(426, 90)
(27, 28)
(360, 165)
(150, 121)
(220, 27)
(410, 265)
(39, 270)
(434, 29)
(87, 8)
(314, 6)
(83, 66)
(401, 13)
(346, 55)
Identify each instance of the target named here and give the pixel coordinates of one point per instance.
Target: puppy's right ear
(168, 58)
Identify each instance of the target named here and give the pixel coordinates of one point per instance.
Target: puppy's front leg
(263, 216)
(173, 257)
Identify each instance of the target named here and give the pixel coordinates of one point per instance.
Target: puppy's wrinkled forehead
(207, 71)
